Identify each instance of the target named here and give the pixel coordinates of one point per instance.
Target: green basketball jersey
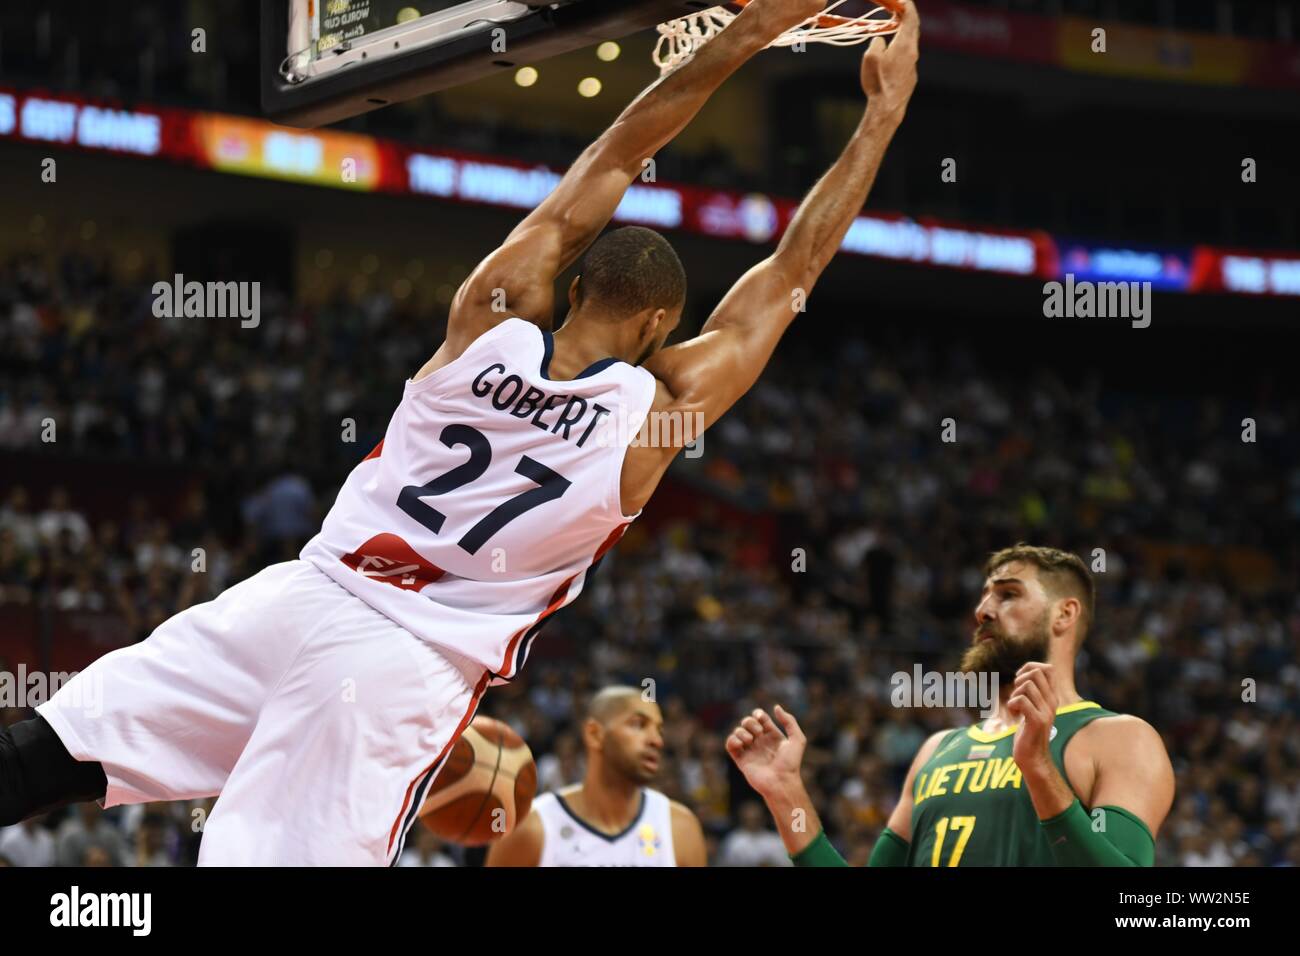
(969, 805)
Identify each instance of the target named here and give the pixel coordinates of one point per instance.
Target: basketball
(486, 787)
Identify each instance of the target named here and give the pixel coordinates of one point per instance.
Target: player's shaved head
(627, 271)
(623, 733)
(611, 703)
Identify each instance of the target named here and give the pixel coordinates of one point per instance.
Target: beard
(1002, 654)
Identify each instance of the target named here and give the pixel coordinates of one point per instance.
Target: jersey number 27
(550, 485)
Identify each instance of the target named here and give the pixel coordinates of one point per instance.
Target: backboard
(323, 61)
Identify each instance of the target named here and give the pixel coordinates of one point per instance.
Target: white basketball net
(680, 38)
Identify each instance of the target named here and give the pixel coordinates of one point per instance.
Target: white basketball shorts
(319, 721)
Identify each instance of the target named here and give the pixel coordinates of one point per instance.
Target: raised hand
(1034, 700)
(769, 759)
(889, 70)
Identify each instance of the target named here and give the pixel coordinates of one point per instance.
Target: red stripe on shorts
(460, 729)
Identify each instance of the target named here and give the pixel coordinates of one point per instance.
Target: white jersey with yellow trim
(493, 493)
(569, 840)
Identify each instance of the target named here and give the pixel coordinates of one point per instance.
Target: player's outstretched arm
(771, 762)
(522, 846)
(707, 374)
(523, 270)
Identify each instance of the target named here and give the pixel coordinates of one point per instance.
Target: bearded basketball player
(1049, 779)
(320, 697)
(612, 818)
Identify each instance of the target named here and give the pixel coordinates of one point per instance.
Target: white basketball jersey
(493, 493)
(570, 841)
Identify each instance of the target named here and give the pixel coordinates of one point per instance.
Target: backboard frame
(350, 82)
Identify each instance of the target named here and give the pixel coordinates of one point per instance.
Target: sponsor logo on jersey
(650, 843)
(388, 559)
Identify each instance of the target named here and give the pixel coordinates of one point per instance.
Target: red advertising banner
(1241, 272)
(986, 32)
(253, 147)
(1275, 65)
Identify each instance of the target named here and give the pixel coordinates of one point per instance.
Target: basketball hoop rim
(681, 37)
(835, 20)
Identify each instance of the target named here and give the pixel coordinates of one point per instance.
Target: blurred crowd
(835, 539)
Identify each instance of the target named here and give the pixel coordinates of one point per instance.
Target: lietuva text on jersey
(970, 805)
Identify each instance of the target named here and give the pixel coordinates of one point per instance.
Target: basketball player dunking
(1009, 792)
(612, 818)
(320, 696)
